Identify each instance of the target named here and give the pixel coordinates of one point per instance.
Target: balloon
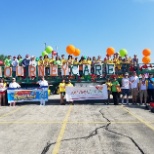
(77, 52)
(146, 59)
(146, 52)
(70, 49)
(37, 59)
(123, 52)
(48, 49)
(44, 53)
(54, 53)
(110, 51)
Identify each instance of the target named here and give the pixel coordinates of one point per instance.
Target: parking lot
(81, 129)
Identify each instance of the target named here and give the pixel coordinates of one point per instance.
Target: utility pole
(45, 45)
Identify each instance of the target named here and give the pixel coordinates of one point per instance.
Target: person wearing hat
(114, 91)
(15, 63)
(150, 88)
(13, 85)
(134, 81)
(125, 88)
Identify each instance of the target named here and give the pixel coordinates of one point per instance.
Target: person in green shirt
(8, 61)
(115, 93)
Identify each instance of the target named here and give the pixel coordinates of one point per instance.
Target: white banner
(90, 93)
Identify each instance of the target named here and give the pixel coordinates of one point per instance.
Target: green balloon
(48, 49)
(44, 53)
(123, 52)
(37, 59)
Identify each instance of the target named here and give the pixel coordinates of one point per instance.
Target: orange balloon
(146, 52)
(70, 49)
(146, 59)
(110, 51)
(77, 52)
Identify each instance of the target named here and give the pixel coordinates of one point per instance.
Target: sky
(90, 25)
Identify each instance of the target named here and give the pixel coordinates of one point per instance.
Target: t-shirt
(15, 63)
(14, 85)
(134, 82)
(62, 87)
(43, 83)
(150, 84)
(114, 84)
(143, 84)
(125, 83)
(7, 62)
(69, 85)
(109, 84)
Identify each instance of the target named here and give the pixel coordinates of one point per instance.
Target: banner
(27, 95)
(83, 93)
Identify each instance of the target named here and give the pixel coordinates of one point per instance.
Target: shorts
(125, 92)
(62, 93)
(2, 92)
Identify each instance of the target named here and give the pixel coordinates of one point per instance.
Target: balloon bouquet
(146, 59)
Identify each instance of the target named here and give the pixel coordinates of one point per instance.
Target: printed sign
(27, 95)
(83, 93)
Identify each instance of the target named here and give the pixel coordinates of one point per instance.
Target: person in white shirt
(125, 88)
(15, 63)
(134, 80)
(13, 84)
(32, 61)
(143, 85)
(42, 83)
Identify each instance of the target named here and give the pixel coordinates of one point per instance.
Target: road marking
(6, 114)
(138, 118)
(71, 122)
(62, 131)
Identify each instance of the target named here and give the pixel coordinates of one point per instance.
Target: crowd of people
(70, 60)
(141, 89)
(129, 85)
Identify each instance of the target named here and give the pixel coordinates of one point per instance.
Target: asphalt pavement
(76, 129)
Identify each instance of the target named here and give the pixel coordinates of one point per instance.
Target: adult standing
(7, 61)
(125, 88)
(109, 85)
(143, 84)
(2, 91)
(115, 93)
(25, 64)
(62, 90)
(150, 88)
(15, 63)
(43, 83)
(13, 85)
(69, 84)
(134, 80)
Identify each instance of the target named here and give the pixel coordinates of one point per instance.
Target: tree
(2, 57)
